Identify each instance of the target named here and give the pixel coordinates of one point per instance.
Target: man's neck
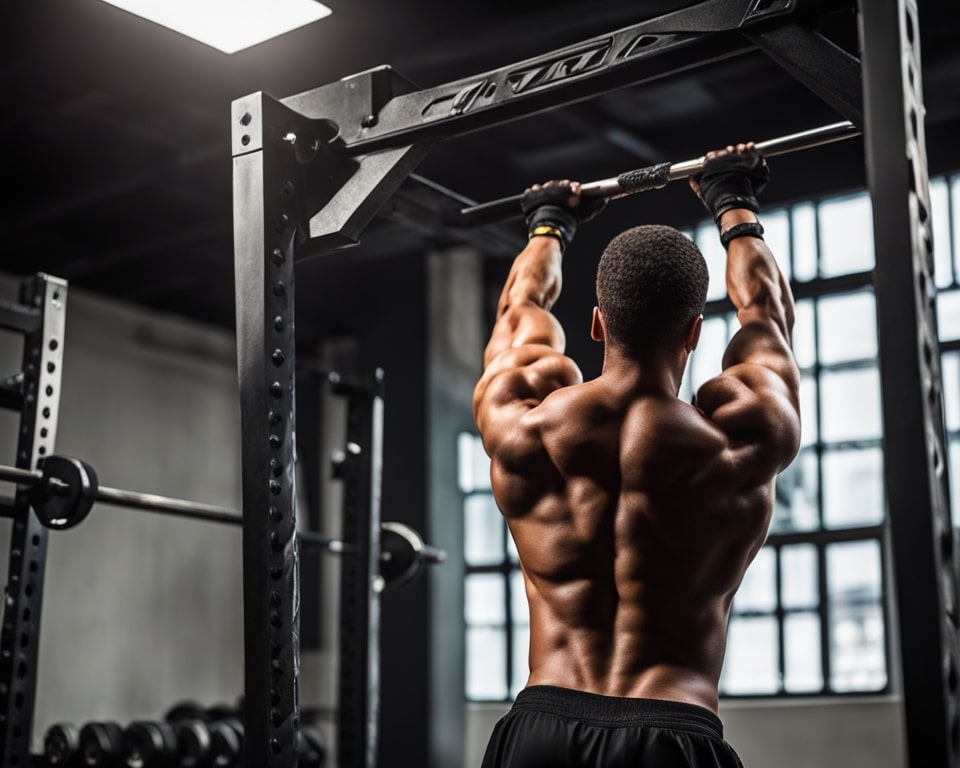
(654, 373)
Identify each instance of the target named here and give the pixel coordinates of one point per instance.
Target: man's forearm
(755, 284)
(535, 276)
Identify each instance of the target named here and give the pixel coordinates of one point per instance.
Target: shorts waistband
(617, 711)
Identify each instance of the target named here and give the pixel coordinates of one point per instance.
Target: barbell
(64, 489)
(656, 176)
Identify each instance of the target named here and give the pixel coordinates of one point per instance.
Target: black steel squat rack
(40, 316)
(311, 170)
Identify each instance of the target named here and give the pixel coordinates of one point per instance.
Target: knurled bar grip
(656, 176)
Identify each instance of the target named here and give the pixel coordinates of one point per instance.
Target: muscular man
(635, 514)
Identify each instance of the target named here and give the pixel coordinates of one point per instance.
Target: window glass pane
(808, 410)
(709, 242)
(948, 315)
(751, 664)
(512, 548)
(733, 325)
(521, 663)
(486, 663)
(847, 327)
(799, 579)
(804, 338)
(473, 466)
(485, 601)
(686, 388)
(801, 641)
(857, 656)
(955, 480)
(804, 218)
(482, 530)
(776, 234)
(850, 403)
(846, 236)
(705, 360)
(758, 590)
(796, 503)
(519, 610)
(853, 488)
(940, 203)
(955, 200)
(950, 370)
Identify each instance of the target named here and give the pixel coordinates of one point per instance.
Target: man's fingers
(729, 150)
(573, 187)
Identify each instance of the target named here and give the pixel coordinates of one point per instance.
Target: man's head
(651, 288)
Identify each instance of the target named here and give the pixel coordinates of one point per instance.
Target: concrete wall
(140, 610)
(813, 733)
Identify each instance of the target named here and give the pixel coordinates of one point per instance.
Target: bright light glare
(228, 25)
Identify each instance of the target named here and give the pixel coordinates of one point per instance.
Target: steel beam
(690, 37)
(915, 449)
(826, 69)
(266, 207)
(361, 469)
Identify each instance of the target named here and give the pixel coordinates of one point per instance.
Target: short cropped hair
(651, 283)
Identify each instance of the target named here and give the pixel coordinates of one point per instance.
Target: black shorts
(551, 727)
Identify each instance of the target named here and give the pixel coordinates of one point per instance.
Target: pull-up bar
(656, 176)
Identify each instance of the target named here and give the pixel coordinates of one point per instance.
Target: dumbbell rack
(35, 392)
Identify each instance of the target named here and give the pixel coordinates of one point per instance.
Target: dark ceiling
(116, 132)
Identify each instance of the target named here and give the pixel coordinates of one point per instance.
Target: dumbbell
(61, 745)
(226, 742)
(194, 744)
(222, 711)
(101, 745)
(209, 745)
(207, 736)
(312, 748)
(149, 744)
(185, 710)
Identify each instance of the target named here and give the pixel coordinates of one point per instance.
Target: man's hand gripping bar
(656, 176)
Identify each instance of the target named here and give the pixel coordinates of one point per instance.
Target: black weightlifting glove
(548, 212)
(732, 180)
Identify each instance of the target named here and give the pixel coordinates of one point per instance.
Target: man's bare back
(635, 544)
(636, 515)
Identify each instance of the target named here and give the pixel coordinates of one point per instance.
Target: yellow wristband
(546, 229)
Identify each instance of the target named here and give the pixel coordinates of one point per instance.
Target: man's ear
(597, 331)
(693, 335)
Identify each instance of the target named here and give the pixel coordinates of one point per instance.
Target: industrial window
(811, 614)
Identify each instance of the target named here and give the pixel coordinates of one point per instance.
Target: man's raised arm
(755, 401)
(524, 360)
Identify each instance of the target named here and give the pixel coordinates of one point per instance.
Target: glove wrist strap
(730, 202)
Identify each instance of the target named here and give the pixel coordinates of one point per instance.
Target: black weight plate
(67, 492)
(399, 548)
